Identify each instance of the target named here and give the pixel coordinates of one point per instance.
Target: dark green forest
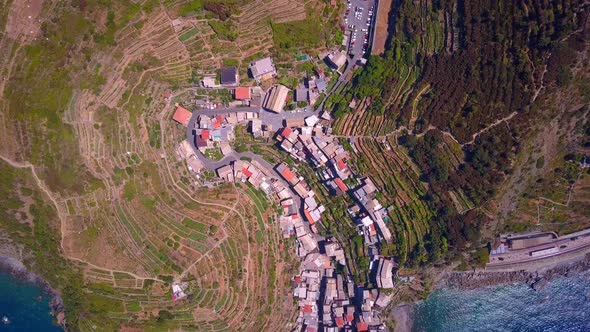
(493, 57)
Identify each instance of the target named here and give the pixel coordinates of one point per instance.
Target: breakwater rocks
(537, 279)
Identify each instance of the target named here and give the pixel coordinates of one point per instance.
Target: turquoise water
(563, 305)
(19, 302)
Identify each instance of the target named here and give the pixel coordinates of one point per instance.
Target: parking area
(359, 19)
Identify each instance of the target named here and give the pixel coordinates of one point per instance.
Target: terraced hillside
(85, 118)
(458, 94)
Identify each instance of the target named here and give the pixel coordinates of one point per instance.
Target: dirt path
(61, 216)
(499, 121)
(8, 72)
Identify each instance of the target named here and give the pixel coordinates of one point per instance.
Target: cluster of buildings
(329, 302)
(275, 99)
(213, 132)
(312, 209)
(313, 143)
(373, 212)
(327, 299)
(311, 88)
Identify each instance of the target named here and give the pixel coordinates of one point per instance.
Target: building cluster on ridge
(328, 300)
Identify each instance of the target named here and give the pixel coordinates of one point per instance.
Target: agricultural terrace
(248, 30)
(130, 216)
(384, 90)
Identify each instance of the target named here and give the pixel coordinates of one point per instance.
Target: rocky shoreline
(19, 270)
(536, 279)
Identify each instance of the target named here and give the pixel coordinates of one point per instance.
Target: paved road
(276, 120)
(212, 165)
(218, 111)
(355, 51)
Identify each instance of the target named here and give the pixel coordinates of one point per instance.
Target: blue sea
(20, 303)
(562, 305)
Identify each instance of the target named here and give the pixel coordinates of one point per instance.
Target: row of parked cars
(364, 31)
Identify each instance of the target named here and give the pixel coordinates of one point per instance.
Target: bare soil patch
(381, 32)
(23, 18)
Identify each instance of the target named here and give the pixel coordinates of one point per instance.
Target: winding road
(212, 165)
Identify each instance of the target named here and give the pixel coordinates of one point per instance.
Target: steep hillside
(85, 125)
(467, 87)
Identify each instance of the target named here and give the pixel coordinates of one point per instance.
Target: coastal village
(295, 123)
(328, 298)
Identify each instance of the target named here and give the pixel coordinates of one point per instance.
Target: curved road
(212, 165)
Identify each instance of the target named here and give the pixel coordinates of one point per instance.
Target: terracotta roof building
(341, 184)
(242, 93)
(182, 115)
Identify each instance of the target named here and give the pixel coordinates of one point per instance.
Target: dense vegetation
(483, 62)
(39, 239)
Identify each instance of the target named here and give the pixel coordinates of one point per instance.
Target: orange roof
(362, 326)
(288, 174)
(372, 228)
(246, 172)
(308, 216)
(182, 115)
(307, 309)
(242, 93)
(341, 165)
(349, 318)
(286, 132)
(339, 322)
(341, 184)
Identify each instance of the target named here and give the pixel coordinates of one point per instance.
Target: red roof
(350, 318)
(219, 118)
(246, 172)
(182, 116)
(288, 174)
(362, 326)
(307, 309)
(341, 184)
(286, 132)
(294, 216)
(242, 93)
(205, 134)
(341, 165)
(297, 280)
(372, 228)
(308, 216)
(339, 322)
